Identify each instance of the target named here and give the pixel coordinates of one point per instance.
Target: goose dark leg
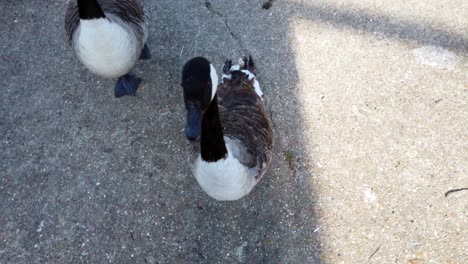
(127, 85)
(227, 67)
(145, 53)
(249, 64)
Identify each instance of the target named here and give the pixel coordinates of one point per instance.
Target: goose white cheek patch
(214, 81)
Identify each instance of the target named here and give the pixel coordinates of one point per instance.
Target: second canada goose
(231, 136)
(109, 36)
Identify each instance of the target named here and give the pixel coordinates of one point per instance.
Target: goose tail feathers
(247, 67)
(246, 63)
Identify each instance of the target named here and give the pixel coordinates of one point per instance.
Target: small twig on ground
(181, 51)
(455, 190)
(375, 251)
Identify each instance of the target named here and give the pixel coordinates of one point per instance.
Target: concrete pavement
(369, 104)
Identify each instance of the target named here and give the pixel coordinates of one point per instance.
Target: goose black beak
(194, 120)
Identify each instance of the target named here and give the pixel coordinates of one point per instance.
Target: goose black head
(90, 9)
(199, 81)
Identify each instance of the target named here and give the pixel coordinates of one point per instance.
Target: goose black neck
(212, 145)
(90, 9)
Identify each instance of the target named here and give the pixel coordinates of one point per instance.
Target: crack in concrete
(210, 8)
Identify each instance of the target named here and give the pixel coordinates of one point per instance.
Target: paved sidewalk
(369, 103)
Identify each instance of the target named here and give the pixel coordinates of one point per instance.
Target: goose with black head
(109, 36)
(230, 135)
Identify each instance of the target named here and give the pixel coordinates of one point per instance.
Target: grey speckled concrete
(369, 103)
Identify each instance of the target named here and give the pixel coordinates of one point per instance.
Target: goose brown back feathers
(243, 117)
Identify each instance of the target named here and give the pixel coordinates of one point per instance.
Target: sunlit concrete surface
(369, 105)
(385, 116)
(386, 126)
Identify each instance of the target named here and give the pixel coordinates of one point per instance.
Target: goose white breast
(109, 36)
(230, 135)
(106, 48)
(226, 179)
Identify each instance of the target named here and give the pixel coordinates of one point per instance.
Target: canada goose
(230, 135)
(109, 37)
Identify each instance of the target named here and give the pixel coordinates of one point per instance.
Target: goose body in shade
(230, 135)
(109, 36)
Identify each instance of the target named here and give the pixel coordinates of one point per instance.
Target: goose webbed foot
(127, 85)
(145, 53)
